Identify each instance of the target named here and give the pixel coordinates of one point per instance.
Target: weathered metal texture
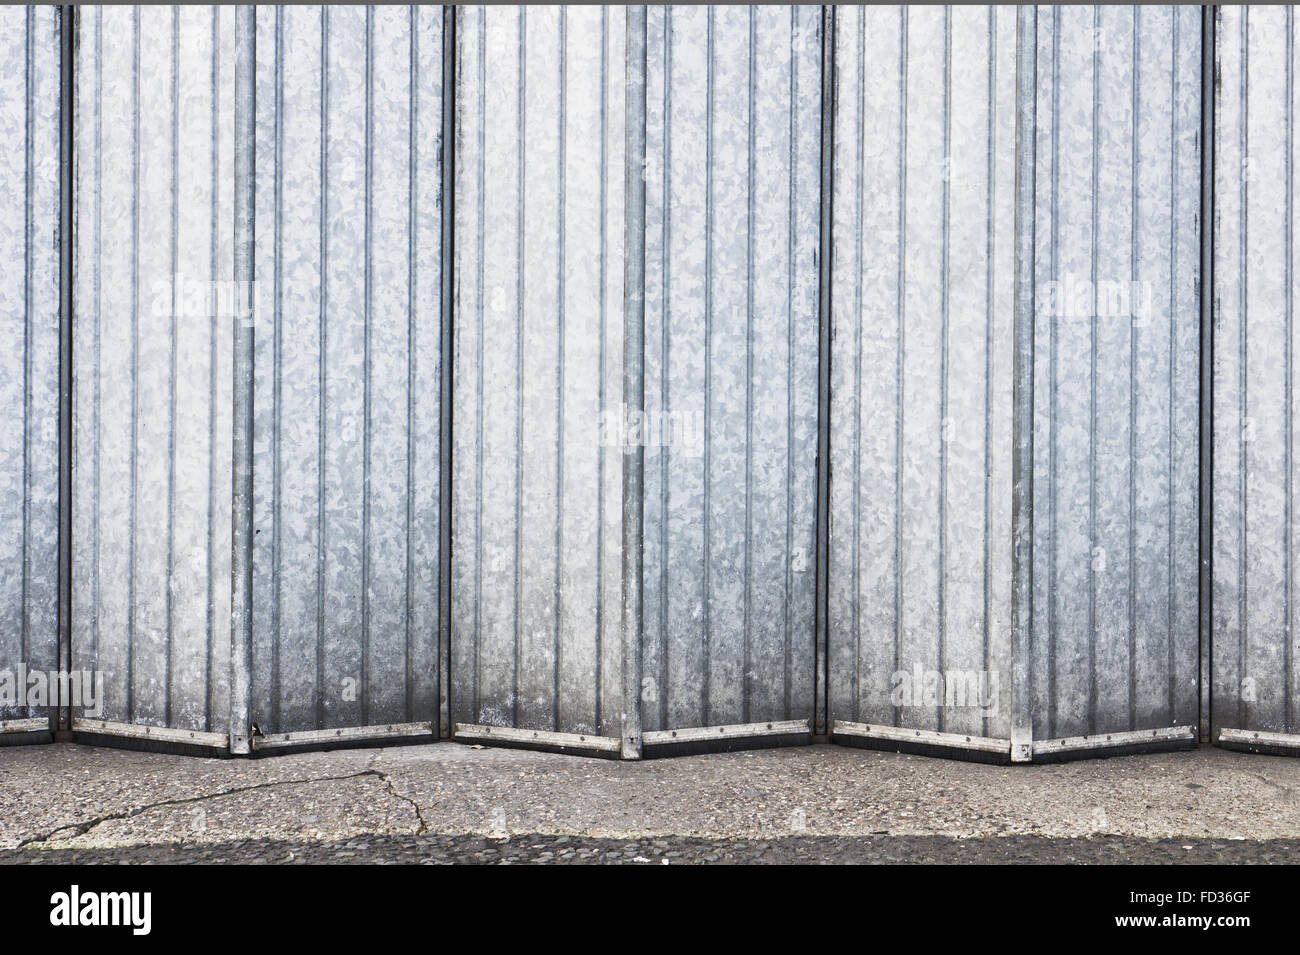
(29, 364)
(921, 364)
(348, 367)
(1117, 368)
(1022, 386)
(536, 590)
(1256, 685)
(152, 396)
(732, 220)
(242, 428)
(632, 610)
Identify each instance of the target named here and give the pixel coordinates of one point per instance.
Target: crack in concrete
(81, 828)
(415, 806)
(419, 813)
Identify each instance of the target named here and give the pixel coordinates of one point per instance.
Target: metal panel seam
(821, 684)
(241, 563)
(1023, 402)
(634, 377)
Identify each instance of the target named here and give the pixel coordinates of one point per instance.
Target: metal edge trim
(510, 734)
(38, 725)
(694, 734)
(1256, 738)
(1075, 744)
(984, 744)
(140, 731)
(346, 734)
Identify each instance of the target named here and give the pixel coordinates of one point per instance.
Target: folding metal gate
(636, 380)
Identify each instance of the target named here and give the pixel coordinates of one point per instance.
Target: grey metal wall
(151, 510)
(732, 213)
(536, 636)
(1255, 686)
(348, 433)
(29, 361)
(920, 544)
(348, 373)
(1117, 367)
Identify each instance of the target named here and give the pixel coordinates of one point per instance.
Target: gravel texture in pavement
(533, 848)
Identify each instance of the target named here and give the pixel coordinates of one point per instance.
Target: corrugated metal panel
(733, 140)
(1256, 686)
(29, 363)
(348, 369)
(1117, 367)
(152, 365)
(536, 637)
(921, 365)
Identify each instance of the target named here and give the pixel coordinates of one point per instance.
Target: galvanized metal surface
(921, 361)
(347, 436)
(732, 220)
(152, 372)
(636, 528)
(1256, 685)
(539, 418)
(241, 547)
(29, 364)
(1117, 369)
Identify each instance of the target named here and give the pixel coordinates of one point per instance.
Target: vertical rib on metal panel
(30, 320)
(241, 562)
(62, 720)
(634, 379)
(1205, 289)
(919, 600)
(1023, 428)
(446, 365)
(821, 688)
